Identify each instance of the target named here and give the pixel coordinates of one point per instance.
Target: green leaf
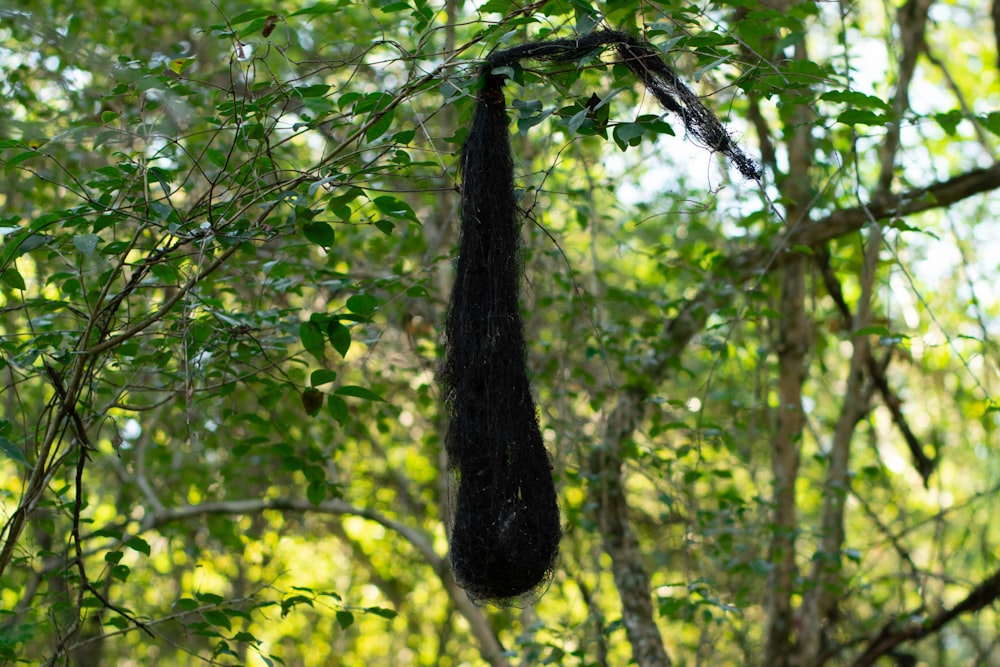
(316, 492)
(337, 407)
(855, 99)
(320, 233)
(861, 117)
(874, 330)
(115, 247)
(12, 451)
(394, 208)
(322, 376)
(417, 292)
(138, 544)
(18, 159)
(251, 15)
(178, 65)
(345, 619)
(358, 392)
(381, 611)
(348, 99)
(504, 71)
(161, 176)
(577, 120)
(949, 121)
(340, 337)
(314, 90)
(380, 126)
(316, 185)
(312, 339)
(13, 278)
(404, 136)
(186, 604)
(290, 603)
(991, 122)
(385, 226)
(113, 533)
(628, 134)
(317, 9)
(217, 618)
(314, 473)
(86, 243)
(372, 102)
(362, 304)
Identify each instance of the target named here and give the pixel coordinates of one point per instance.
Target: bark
(996, 29)
(942, 194)
(691, 319)
(619, 540)
(749, 265)
(793, 349)
(818, 607)
(912, 21)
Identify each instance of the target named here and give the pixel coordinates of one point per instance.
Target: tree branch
(892, 635)
(619, 540)
(691, 319)
(819, 601)
(750, 264)
(489, 645)
(912, 21)
(925, 465)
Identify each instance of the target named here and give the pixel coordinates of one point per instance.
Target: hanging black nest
(505, 528)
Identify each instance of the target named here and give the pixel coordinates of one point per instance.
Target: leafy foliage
(228, 235)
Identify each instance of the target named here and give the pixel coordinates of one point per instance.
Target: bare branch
(912, 21)
(893, 634)
(750, 264)
(925, 465)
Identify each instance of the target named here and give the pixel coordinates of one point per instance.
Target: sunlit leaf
(178, 65)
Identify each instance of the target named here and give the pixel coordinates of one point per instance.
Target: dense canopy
(230, 235)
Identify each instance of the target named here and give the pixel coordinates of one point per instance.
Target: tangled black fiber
(505, 528)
